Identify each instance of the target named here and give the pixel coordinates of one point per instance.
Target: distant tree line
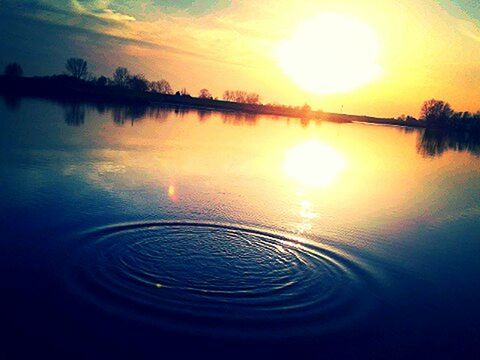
(434, 114)
(241, 96)
(13, 70)
(439, 115)
(305, 110)
(77, 68)
(122, 78)
(205, 94)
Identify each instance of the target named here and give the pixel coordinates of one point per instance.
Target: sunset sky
(420, 49)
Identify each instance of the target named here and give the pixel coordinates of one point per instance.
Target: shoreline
(70, 89)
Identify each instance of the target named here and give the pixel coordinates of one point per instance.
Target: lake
(142, 232)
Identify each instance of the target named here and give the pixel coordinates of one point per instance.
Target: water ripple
(219, 279)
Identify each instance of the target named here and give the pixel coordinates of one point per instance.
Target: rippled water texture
(214, 278)
(149, 232)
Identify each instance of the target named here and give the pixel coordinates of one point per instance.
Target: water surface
(146, 231)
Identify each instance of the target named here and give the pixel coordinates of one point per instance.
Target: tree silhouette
(184, 92)
(138, 83)
(306, 110)
(436, 113)
(102, 81)
(227, 95)
(77, 67)
(205, 94)
(75, 114)
(161, 86)
(121, 76)
(252, 98)
(241, 96)
(13, 70)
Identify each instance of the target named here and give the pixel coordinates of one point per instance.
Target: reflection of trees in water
(135, 113)
(101, 107)
(12, 102)
(123, 114)
(159, 113)
(204, 115)
(430, 142)
(75, 114)
(181, 111)
(238, 118)
(435, 142)
(409, 129)
(304, 122)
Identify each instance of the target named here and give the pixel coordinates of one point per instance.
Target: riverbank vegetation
(124, 87)
(437, 114)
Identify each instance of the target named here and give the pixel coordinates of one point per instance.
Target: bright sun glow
(314, 164)
(330, 53)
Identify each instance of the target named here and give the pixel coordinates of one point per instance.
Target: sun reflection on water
(307, 216)
(314, 164)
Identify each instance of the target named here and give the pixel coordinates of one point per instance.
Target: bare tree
(164, 87)
(13, 70)
(121, 76)
(227, 95)
(161, 86)
(306, 108)
(241, 96)
(205, 94)
(77, 67)
(252, 98)
(184, 92)
(436, 113)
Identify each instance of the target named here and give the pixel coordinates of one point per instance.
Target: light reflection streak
(314, 164)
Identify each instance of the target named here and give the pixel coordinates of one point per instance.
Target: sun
(330, 53)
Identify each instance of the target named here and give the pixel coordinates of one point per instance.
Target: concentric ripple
(220, 279)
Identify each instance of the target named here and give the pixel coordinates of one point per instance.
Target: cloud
(204, 37)
(463, 16)
(470, 29)
(115, 16)
(57, 12)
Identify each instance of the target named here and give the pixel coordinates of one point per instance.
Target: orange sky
(426, 49)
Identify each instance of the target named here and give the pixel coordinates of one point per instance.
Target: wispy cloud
(470, 29)
(463, 18)
(55, 12)
(113, 15)
(205, 37)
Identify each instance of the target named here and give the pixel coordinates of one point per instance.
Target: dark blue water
(147, 233)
